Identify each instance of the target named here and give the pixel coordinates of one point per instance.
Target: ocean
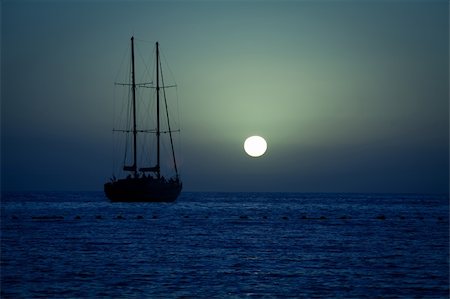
(225, 245)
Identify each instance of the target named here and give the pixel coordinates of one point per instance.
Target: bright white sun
(255, 146)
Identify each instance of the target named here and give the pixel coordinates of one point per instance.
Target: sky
(351, 96)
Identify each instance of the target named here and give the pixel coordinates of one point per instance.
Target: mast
(133, 87)
(158, 133)
(134, 109)
(133, 168)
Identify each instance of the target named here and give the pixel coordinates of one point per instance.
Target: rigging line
(121, 117)
(120, 120)
(128, 117)
(128, 134)
(145, 71)
(170, 70)
(168, 126)
(153, 72)
(148, 73)
(179, 143)
(113, 152)
(175, 85)
(122, 74)
(124, 55)
(113, 148)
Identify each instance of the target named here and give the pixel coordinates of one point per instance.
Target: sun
(255, 146)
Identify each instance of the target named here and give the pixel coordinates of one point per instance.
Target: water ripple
(65, 245)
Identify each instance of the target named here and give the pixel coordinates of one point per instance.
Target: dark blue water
(222, 245)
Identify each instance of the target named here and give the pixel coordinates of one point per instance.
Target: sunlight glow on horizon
(352, 97)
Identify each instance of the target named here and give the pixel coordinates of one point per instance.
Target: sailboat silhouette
(146, 184)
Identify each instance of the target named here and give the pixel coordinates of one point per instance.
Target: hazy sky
(351, 96)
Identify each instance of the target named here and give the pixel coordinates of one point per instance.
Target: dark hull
(142, 190)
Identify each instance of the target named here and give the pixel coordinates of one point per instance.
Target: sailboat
(146, 184)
